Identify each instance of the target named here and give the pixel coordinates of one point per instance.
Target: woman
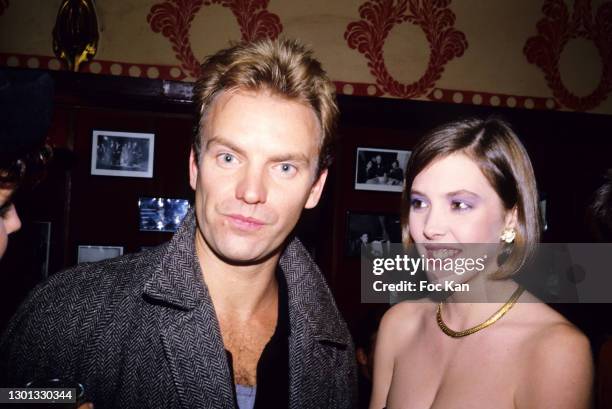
(472, 182)
(25, 114)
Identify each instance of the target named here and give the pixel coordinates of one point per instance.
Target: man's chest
(246, 342)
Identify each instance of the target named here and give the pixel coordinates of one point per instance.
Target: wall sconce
(75, 35)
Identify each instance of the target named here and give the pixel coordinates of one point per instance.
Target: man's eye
(227, 159)
(287, 169)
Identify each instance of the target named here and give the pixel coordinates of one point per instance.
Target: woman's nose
(12, 223)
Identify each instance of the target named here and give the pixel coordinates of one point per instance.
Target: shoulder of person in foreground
(60, 315)
(395, 330)
(558, 369)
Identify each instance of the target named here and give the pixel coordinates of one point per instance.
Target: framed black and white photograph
(98, 253)
(380, 169)
(375, 229)
(161, 214)
(127, 154)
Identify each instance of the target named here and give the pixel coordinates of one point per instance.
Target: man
(25, 114)
(232, 311)
(396, 174)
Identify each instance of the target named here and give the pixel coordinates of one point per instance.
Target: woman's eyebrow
(462, 192)
(416, 192)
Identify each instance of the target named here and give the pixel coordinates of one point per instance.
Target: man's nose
(436, 224)
(252, 185)
(12, 223)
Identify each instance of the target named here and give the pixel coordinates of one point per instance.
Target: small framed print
(375, 229)
(126, 154)
(380, 169)
(97, 253)
(161, 214)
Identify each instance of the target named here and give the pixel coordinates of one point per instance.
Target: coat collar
(177, 282)
(191, 335)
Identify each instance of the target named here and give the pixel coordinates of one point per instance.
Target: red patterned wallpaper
(173, 18)
(367, 35)
(560, 25)
(378, 17)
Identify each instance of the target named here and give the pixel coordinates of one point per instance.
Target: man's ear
(193, 169)
(511, 221)
(316, 190)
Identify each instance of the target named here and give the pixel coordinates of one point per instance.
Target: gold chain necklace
(500, 313)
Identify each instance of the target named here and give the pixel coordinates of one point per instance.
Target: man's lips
(245, 223)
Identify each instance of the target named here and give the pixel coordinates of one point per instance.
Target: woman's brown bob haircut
(504, 162)
(284, 68)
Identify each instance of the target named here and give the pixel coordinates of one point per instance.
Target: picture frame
(543, 207)
(159, 214)
(92, 253)
(375, 229)
(380, 169)
(123, 154)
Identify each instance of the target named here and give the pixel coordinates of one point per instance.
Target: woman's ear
(406, 234)
(511, 221)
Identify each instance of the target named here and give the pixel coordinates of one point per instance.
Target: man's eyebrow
(219, 140)
(291, 157)
(285, 157)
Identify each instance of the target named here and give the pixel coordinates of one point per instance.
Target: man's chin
(244, 256)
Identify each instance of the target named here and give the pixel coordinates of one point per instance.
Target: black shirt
(273, 365)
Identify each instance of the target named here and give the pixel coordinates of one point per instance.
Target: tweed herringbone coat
(140, 331)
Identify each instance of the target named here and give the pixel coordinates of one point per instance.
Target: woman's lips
(441, 252)
(245, 223)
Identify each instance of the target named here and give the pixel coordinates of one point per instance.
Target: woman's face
(451, 204)
(9, 220)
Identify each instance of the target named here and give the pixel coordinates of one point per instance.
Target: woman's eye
(417, 204)
(459, 205)
(5, 208)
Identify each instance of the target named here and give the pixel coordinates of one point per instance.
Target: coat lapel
(316, 329)
(188, 325)
(191, 335)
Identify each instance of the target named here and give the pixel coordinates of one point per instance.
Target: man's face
(256, 173)
(378, 159)
(9, 219)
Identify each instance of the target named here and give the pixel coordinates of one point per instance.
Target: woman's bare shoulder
(556, 360)
(550, 341)
(405, 317)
